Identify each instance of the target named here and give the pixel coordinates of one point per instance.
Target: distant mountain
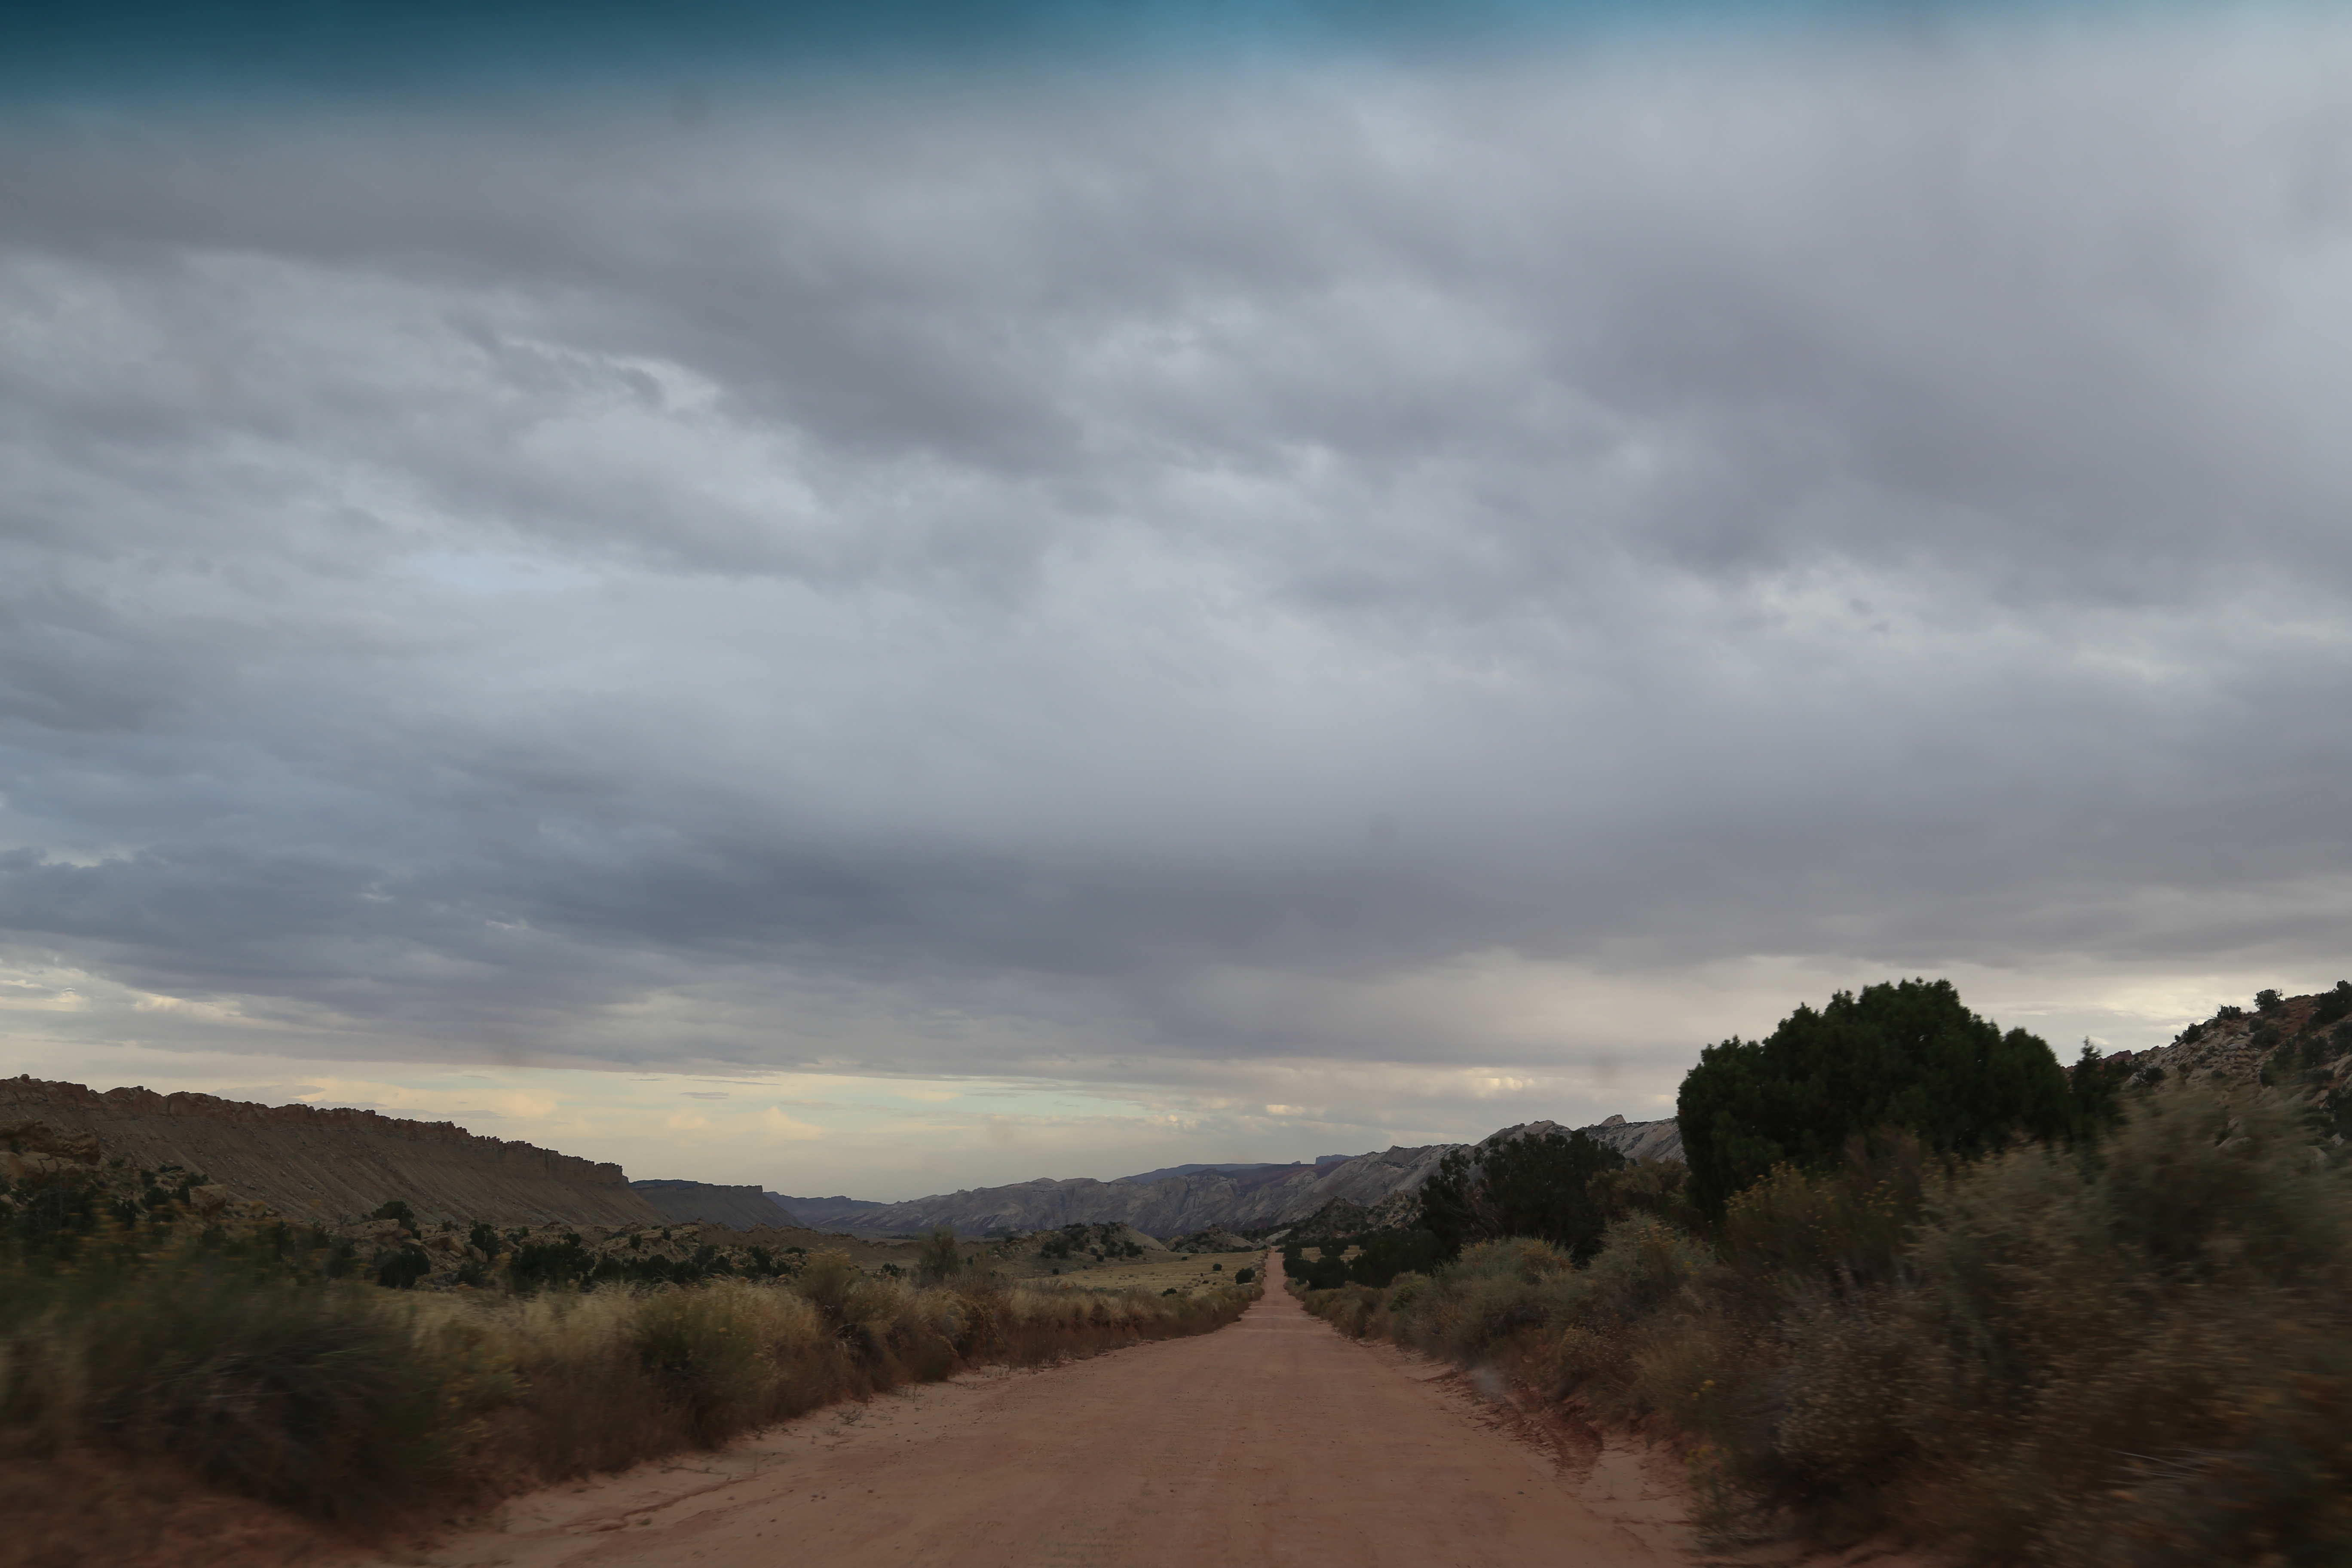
(829, 1214)
(1237, 1197)
(1165, 1171)
(738, 1208)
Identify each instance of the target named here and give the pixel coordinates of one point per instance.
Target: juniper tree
(1536, 1186)
(1905, 1057)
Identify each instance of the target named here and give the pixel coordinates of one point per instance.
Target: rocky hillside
(338, 1165)
(1233, 1199)
(2297, 1047)
(743, 1208)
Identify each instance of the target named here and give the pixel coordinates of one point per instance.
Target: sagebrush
(2134, 1354)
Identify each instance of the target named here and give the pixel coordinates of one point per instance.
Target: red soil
(1274, 1441)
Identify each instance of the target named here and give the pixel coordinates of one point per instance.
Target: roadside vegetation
(2105, 1318)
(252, 1355)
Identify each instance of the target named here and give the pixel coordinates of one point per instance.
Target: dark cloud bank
(1075, 580)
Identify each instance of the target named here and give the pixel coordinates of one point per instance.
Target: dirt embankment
(345, 1163)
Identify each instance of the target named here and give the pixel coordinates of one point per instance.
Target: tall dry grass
(2137, 1356)
(359, 1406)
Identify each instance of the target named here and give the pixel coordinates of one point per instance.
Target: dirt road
(1274, 1441)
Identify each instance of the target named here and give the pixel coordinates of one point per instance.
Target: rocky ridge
(2297, 1047)
(336, 1165)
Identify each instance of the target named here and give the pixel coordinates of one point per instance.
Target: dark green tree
(1388, 1253)
(1903, 1055)
(2096, 1088)
(1328, 1272)
(1539, 1185)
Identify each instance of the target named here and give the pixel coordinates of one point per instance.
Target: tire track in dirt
(1274, 1441)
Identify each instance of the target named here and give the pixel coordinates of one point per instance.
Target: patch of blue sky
(377, 48)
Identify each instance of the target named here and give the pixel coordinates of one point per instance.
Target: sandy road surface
(1274, 1441)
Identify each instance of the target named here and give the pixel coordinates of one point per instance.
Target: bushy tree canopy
(1536, 1184)
(1906, 1056)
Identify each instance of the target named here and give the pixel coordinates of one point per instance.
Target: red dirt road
(1274, 1441)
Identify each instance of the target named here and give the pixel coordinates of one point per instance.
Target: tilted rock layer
(336, 1164)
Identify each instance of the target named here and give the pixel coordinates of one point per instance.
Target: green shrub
(317, 1397)
(1387, 1254)
(404, 1268)
(1492, 1291)
(2089, 1351)
(1904, 1056)
(536, 1265)
(1843, 1227)
(1656, 1189)
(2096, 1088)
(1328, 1272)
(1643, 1265)
(2335, 1004)
(1532, 1185)
(1405, 1293)
(705, 1359)
(2136, 1353)
(937, 1260)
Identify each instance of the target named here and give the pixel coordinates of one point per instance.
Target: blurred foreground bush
(2137, 1354)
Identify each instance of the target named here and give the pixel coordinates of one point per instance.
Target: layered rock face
(740, 1209)
(336, 1164)
(1177, 1206)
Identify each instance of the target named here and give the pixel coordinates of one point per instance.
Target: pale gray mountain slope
(827, 1214)
(1231, 1168)
(1177, 1206)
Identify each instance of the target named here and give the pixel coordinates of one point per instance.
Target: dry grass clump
(2137, 1356)
(358, 1405)
(318, 1400)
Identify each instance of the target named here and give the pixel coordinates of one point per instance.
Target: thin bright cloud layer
(1322, 597)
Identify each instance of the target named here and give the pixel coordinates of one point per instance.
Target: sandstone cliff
(338, 1164)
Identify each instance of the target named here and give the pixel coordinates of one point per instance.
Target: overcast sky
(880, 625)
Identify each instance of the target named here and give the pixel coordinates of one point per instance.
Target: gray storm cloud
(1086, 578)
